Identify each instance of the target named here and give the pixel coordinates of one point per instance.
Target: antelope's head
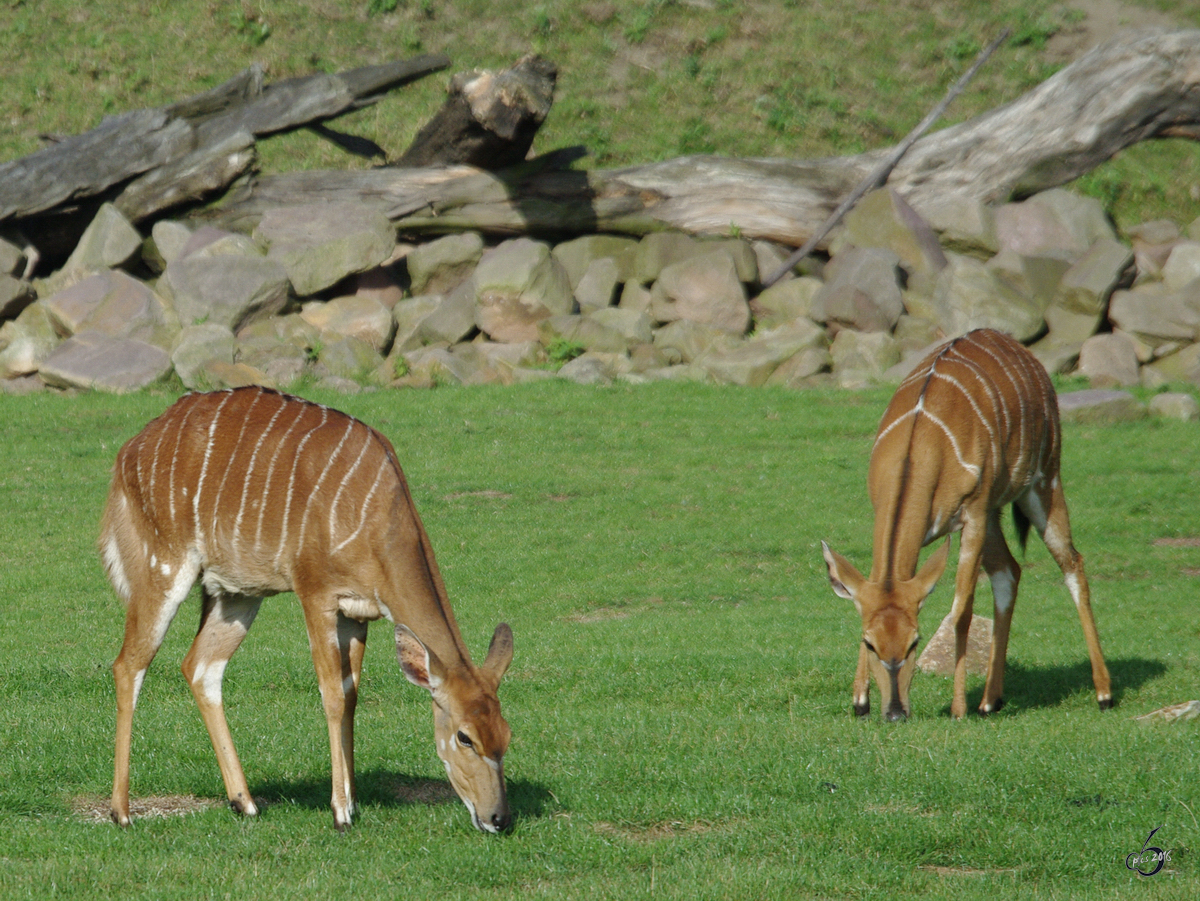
(472, 736)
(889, 625)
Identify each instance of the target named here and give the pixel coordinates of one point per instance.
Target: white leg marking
(1002, 590)
(1072, 581)
(116, 568)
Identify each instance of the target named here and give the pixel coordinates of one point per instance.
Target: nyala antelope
(972, 429)
(253, 493)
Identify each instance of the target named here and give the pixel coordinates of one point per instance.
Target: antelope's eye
(870, 647)
(463, 740)
(916, 641)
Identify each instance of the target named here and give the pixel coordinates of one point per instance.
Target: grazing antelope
(972, 429)
(254, 493)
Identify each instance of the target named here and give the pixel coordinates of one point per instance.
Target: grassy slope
(680, 694)
(639, 81)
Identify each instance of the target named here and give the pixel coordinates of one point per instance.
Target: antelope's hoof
(1106, 703)
(862, 709)
(995, 707)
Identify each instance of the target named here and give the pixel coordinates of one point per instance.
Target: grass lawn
(680, 694)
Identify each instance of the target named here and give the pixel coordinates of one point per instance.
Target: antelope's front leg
(333, 639)
(862, 684)
(969, 556)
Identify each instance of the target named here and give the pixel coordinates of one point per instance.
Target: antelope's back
(249, 478)
(989, 401)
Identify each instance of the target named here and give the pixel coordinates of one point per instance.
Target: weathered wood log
(1140, 86)
(489, 119)
(93, 164)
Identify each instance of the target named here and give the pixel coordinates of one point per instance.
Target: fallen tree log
(1137, 87)
(218, 125)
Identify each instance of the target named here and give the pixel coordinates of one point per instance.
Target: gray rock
(344, 357)
(938, 656)
(195, 348)
(862, 358)
(969, 295)
(1109, 361)
(114, 304)
(1087, 286)
(1182, 267)
(12, 258)
(15, 295)
(1181, 366)
(169, 239)
(595, 368)
(108, 241)
(26, 341)
(451, 321)
(409, 314)
(658, 250)
(797, 370)
(631, 325)
(352, 316)
(320, 244)
(636, 297)
(518, 284)
(1099, 405)
(862, 291)
(235, 293)
(1053, 223)
(966, 227)
(785, 301)
(704, 289)
(441, 265)
(214, 242)
(752, 362)
(883, 220)
(580, 254)
(584, 331)
(1175, 405)
(689, 339)
(1155, 314)
(103, 363)
(597, 288)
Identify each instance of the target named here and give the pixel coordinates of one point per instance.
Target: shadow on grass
(1027, 688)
(388, 789)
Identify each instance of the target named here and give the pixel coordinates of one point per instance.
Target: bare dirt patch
(1176, 542)
(653, 832)
(96, 810)
(489, 494)
(1092, 22)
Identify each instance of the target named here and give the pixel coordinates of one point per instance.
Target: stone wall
(328, 295)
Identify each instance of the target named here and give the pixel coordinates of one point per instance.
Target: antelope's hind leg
(1004, 573)
(224, 621)
(1049, 516)
(152, 590)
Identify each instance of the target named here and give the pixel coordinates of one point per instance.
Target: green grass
(680, 695)
(777, 78)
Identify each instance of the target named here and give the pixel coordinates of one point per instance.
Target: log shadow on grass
(384, 788)
(1033, 687)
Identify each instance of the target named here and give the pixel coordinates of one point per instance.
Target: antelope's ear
(927, 577)
(500, 653)
(420, 665)
(845, 579)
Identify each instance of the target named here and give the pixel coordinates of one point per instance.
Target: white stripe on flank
(233, 456)
(212, 432)
(969, 467)
(279, 446)
(150, 497)
(175, 460)
(315, 491)
(237, 522)
(366, 504)
(346, 481)
(287, 503)
(983, 419)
